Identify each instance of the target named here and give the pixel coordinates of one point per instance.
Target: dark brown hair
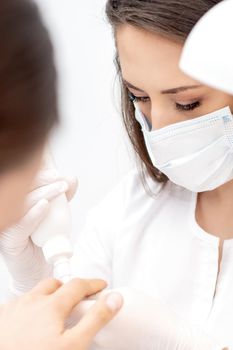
(173, 19)
(28, 98)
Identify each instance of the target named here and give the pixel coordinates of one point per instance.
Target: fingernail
(63, 186)
(114, 301)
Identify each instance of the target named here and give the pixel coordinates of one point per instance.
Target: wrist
(27, 269)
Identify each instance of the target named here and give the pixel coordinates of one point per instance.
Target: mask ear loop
(145, 130)
(140, 117)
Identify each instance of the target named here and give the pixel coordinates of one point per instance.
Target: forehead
(149, 59)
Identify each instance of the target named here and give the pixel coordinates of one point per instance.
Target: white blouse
(154, 243)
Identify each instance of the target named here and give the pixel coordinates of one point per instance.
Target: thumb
(15, 238)
(97, 316)
(31, 221)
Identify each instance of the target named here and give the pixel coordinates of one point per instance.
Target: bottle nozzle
(62, 270)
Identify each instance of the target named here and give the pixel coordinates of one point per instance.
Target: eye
(188, 107)
(134, 98)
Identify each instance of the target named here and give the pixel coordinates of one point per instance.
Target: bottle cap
(56, 247)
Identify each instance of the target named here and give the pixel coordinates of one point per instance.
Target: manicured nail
(114, 301)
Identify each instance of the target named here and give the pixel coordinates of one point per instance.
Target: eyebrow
(169, 91)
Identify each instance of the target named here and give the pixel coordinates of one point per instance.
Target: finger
(72, 182)
(97, 295)
(45, 177)
(48, 192)
(26, 226)
(31, 221)
(71, 293)
(50, 176)
(46, 287)
(95, 319)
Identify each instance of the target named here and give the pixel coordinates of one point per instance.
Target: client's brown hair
(28, 98)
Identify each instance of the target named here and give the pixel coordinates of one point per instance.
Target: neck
(222, 195)
(215, 210)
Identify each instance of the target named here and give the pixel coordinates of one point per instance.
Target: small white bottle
(53, 234)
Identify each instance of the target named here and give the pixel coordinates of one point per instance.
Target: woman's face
(14, 186)
(150, 69)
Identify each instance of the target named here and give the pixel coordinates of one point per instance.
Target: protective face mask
(196, 154)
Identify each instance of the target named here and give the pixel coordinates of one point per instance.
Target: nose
(159, 118)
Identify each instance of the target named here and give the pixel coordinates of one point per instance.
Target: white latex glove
(24, 260)
(146, 323)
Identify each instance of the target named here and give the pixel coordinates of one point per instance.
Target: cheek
(13, 191)
(229, 102)
(216, 100)
(12, 197)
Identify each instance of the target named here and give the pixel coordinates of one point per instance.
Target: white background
(92, 142)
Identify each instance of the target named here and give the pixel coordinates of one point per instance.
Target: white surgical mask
(196, 154)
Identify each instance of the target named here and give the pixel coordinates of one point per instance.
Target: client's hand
(146, 323)
(36, 320)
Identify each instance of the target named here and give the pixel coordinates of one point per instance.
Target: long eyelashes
(134, 98)
(188, 107)
(180, 107)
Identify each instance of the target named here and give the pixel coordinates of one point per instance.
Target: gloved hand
(24, 260)
(146, 323)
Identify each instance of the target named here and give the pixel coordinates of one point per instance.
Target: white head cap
(208, 52)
